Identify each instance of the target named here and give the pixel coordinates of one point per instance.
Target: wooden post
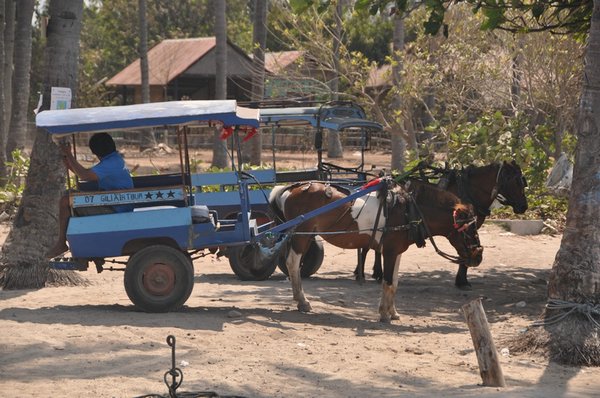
(487, 356)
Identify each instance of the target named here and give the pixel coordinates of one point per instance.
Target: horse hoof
(395, 316)
(304, 307)
(465, 288)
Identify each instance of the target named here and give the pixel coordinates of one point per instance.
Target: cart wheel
(245, 265)
(159, 278)
(311, 261)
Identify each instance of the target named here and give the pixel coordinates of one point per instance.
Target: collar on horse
(416, 226)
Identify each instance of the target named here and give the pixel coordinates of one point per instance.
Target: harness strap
(382, 200)
(452, 258)
(496, 189)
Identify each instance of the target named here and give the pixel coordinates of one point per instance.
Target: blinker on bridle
(495, 191)
(461, 225)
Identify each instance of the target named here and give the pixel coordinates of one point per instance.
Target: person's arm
(72, 164)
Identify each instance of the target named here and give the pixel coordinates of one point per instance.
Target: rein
(450, 257)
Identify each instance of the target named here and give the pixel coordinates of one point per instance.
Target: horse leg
(377, 268)
(387, 304)
(293, 265)
(461, 281)
(359, 272)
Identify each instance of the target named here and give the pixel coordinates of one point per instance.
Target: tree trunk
(334, 145)
(3, 128)
(258, 73)
(22, 60)
(517, 74)
(397, 134)
(148, 140)
(35, 225)
(220, 146)
(9, 46)
(575, 275)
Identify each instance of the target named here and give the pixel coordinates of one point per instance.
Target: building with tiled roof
(185, 68)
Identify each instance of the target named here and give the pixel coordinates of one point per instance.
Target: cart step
(68, 264)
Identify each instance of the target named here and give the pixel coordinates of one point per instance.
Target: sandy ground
(246, 338)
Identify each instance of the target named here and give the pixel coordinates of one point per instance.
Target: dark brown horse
(479, 186)
(407, 218)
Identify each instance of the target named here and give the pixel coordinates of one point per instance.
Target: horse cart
(335, 116)
(173, 221)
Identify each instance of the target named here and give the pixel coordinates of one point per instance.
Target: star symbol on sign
(159, 194)
(171, 194)
(148, 195)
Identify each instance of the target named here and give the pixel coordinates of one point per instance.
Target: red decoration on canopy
(249, 134)
(226, 133)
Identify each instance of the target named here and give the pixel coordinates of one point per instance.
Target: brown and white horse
(406, 219)
(479, 186)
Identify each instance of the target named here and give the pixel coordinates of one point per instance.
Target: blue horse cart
(336, 116)
(173, 218)
(169, 223)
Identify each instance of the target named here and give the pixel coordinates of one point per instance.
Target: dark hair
(102, 144)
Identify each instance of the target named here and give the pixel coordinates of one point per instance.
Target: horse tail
(275, 202)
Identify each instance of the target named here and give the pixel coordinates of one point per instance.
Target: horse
(404, 218)
(479, 186)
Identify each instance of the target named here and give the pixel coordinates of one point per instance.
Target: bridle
(461, 226)
(501, 183)
(468, 228)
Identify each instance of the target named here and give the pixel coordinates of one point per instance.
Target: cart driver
(110, 174)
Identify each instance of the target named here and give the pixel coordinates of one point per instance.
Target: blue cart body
(173, 215)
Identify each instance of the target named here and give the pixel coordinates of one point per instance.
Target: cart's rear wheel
(247, 266)
(159, 278)
(311, 260)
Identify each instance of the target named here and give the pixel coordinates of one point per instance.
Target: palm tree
(258, 79)
(148, 140)
(219, 146)
(9, 44)
(2, 96)
(574, 283)
(22, 264)
(398, 142)
(22, 67)
(334, 145)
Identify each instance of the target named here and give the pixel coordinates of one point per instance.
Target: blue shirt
(113, 174)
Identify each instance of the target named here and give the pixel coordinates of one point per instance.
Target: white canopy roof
(154, 114)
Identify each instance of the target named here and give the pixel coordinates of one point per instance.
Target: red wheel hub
(159, 279)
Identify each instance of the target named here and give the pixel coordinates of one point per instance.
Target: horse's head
(510, 185)
(464, 237)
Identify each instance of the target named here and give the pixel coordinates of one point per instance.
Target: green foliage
(513, 15)
(490, 138)
(110, 37)
(370, 35)
(495, 138)
(15, 180)
(542, 205)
